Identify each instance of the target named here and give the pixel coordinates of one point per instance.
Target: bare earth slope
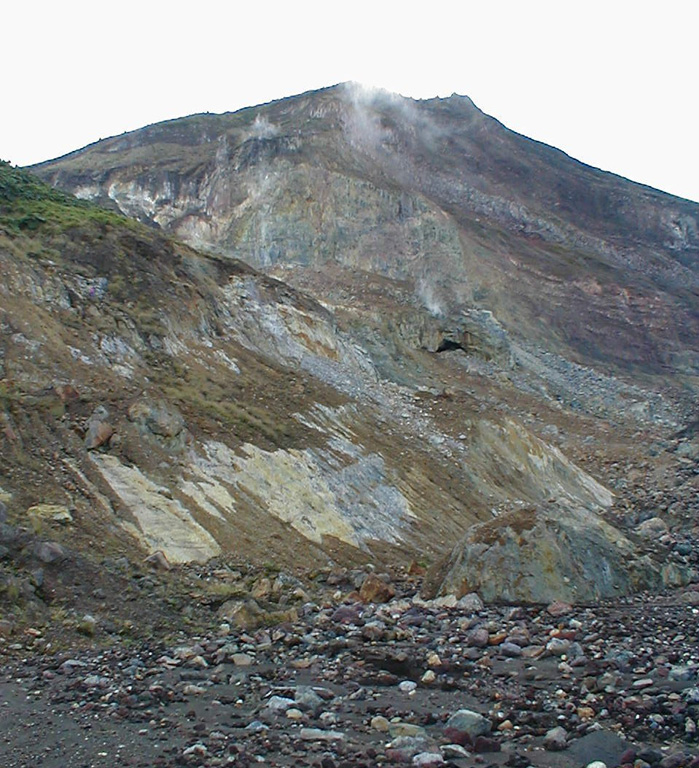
(467, 304)
(203, 408)
(582, 262)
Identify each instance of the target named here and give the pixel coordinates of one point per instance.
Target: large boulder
(99, 430)
(161, 421)
(464, 726)
(548, 553)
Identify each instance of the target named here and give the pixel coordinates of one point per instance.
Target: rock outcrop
(202, 408)
(539, 555)
(433, 193)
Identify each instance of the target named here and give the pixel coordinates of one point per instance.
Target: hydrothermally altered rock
(541, 554)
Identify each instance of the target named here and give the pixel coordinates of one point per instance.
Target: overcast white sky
(612, 83)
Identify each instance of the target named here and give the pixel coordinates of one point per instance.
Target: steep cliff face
(400, 320)
(435, 193)
(192, 405)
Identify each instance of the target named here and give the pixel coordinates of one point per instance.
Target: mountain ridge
(301, 456)
(351, 84)
(346, 136)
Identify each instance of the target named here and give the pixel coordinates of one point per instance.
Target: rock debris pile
(345, 681)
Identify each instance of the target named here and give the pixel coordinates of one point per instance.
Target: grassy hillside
(28, 204)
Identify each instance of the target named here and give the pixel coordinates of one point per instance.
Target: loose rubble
(351, 683)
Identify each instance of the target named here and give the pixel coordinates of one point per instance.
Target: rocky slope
(201, 407)
(250, 485)
(434, 193)
(471, 329)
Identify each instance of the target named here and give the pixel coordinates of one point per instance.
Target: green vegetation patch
(28, 204)
(10, 395)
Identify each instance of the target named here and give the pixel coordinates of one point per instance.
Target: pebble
(328, 718)
(374, 630)
(380, 723)
(511, 650)
(256, 727)
(87, 625)
(196, 750)
(556, 739)
(70, 665)
(403, 748)
(478, 638)
(470, 603)
(465, 725)
(307, 699)
(317, 734)
(454, 750)
(406, 729)
(427, 759)
(96, 681)
(557, 646)
(559, 608)
(279, 703)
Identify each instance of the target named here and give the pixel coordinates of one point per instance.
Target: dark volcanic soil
(348, 683)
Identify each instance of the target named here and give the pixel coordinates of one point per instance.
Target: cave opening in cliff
(447, 345)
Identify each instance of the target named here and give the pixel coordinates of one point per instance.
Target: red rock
(558, 608)
(98, 434)
(416, 570)
(484, 744)
(66, 392)
(374, 590)
(347, 614)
